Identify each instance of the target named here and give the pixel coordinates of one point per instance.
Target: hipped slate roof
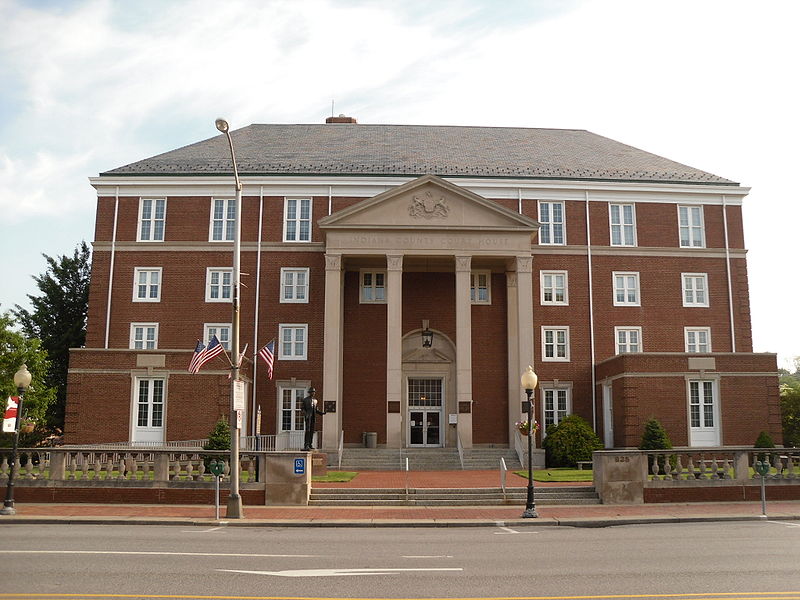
(413, 150)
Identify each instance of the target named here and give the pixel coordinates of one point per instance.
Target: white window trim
(688, 208)
(297, 219)
(542, 301)
(624, 328)
(555, 387)
(295, 386)
(283, 299)
(622, 225)
(703, 276)
(715, 398)
(550, 224)
(152, 220)
(281, 327)
(131, 339)
(226, 200)
(207, 335)
(136, 271)
(686, 331)
(209, 270)
(614, 276)
(134, 420)
(361, 286)
(546, 358)
(473, 277)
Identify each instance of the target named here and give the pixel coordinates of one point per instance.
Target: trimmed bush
(764, 440)
(218, 439)
(570, 441)
(655, 437)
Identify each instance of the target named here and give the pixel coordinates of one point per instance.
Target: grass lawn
(335, 476)
(558, 474)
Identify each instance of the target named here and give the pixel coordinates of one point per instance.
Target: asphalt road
(754, 560)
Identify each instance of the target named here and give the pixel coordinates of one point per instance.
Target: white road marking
(429, 556)
(785, 523)
(331, 572)
(202, 530)
(130, 553)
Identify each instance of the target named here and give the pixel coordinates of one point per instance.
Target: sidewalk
(406, 516)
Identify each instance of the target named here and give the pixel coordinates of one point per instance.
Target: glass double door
(425, 412)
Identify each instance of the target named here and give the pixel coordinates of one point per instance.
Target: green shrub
(218, 439)
(570, 441)
(655, 437)
(764, 440)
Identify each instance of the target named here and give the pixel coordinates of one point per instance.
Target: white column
(512, 335)
(463, 349)
(332, 353)
(525, 338)
(394, 350)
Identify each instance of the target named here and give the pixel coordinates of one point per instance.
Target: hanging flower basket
(522, 427)
(27, 426)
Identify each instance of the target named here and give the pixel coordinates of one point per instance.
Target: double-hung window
(221, 330)
(294, 284)
(152, 217)
(556, 404)
(223, 219)
(551, 219)
(626, 288)
(698, 339)
(480, 287)
(553, 286)
(373, 287)
(293, 341)
(695, 289)
(555, 344)
(291, 417)
(147, 284)
(623, 224)
(629, 339)
(219, 283)
(144, 336)
(691, 227)
(297, 220)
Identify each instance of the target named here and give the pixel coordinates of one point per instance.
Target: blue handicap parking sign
(299, 466)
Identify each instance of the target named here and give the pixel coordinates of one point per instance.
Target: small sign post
(762, 468)
(216, 467)
(299, 466)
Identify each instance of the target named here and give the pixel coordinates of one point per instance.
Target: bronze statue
(310, 412)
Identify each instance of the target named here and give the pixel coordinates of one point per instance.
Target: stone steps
(426, 459)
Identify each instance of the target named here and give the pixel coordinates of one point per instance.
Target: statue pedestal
(319, 463)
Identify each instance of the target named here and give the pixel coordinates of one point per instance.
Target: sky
(90, 85)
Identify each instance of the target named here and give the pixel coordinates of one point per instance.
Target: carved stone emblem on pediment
(428, 206)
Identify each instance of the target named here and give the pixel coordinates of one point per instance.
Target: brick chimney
(341, 119)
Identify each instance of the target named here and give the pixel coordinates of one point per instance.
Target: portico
(428, 230)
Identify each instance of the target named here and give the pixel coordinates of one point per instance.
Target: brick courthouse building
(619, 275)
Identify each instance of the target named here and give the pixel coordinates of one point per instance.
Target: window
(297, 220)
(554, 287)
(698, 339)
(223, 219)
(221, 330)
(144, 336)
(626, 289)
(292, 409)
(623, 224)
(551, 219)
(555, 405)
(629, 339)
(695, 289)
(150, 402)
(147, 284)
(152, 213)
(701, 403)
(293, 342)
(692, 229)
(555, 344)
(219, 283)
(294, 285)
(480, 287)
(373, 287)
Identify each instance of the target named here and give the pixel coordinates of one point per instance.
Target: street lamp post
(528, 383)
(234, 507)
(22, 379)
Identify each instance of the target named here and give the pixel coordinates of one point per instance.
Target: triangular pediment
(428, 203)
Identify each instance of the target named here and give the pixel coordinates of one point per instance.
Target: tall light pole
(528, 382)
(22, 379)
(234, 509)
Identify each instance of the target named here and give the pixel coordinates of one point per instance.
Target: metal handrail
(460, 449)
(503, 471)
(341, 449)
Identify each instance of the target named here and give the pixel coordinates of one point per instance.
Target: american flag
(199, 352)
(268, 354)
(203, 355)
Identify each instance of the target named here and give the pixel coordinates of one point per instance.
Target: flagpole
(234, 507)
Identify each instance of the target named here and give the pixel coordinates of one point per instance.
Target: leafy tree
(570, 441)
(58, 318)
(15, 351)
(790, 415)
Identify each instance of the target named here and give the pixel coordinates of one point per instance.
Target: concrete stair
(450, 496)
(425, 459)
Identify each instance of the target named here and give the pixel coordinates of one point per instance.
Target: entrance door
(149, 411)
(425, 412)
(703, 415)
